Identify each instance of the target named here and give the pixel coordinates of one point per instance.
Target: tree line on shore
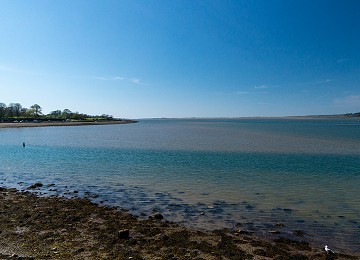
(353, 114)
(15, 111)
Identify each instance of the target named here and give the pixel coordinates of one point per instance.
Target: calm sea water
(247, 173)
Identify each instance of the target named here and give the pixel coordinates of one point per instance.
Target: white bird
(328, 250)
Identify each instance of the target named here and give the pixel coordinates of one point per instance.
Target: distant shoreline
(64, 123)
(257, 117)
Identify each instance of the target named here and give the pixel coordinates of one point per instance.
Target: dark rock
(249, 207)
(195, 253)
(124, 234)
(288, 210)
(298, 232)
(158, 216)
(36, 185)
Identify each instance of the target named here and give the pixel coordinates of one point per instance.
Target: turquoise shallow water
(204, 173)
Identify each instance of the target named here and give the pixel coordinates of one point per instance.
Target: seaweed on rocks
(35, 227)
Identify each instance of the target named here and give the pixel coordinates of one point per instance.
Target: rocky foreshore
(33, 227)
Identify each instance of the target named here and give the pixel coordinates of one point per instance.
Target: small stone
(14, 255)
(124, 234)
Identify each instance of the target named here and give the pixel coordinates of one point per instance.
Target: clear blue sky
(140, 59)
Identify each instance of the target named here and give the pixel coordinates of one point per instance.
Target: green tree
(78, 116)
(23, 111)
(10, 110)
(37, 109)
(17, 109)
(66, 113)
(2, 110)
(30, 112)
(55, 113)
(14, 109)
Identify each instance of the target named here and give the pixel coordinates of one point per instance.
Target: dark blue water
(252, 173)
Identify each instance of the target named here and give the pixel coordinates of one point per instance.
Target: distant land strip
(64, 123)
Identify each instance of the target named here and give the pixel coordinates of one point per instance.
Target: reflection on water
(204, 173)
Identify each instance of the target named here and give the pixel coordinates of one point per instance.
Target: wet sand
(64, 123)
(33, 227)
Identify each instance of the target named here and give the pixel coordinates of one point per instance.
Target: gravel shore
(33, 227)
